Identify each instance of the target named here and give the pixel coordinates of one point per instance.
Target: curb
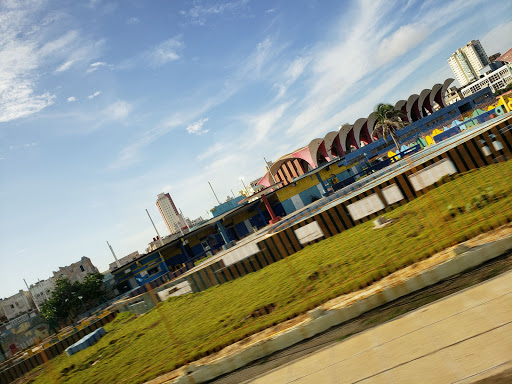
(320, 320)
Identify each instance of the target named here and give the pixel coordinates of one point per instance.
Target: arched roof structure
(337, 144)
(333, 145)
(343, 134)
(435, 95)
(413, 112)
(401, 106)
(446, 85)
(370, 125)
(361, 133)
(424, 103)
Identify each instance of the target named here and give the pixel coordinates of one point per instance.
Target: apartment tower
(466, 62)
(172, 217)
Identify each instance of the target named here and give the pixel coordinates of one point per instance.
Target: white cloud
(71, 99)
(118, 110)
(196, 128)
(166, 51)
(498, 39)
(97, 93)
(362, 48)
(260, 125)
(133, 21)
(97, 65)
(19, 65)
(23, 146)
(200, 14)
(64, 67)
(292, 73)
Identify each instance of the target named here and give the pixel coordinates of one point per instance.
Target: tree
(389, 120)
(68, 299)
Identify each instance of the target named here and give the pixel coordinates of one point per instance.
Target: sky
(104, 104)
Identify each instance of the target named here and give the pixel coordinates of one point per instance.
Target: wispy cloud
(23, 146)
(166, 51)
(118, 110)
(133, 21)
(71, 99)
(97, 65)
(19, 65)
(196, 128)
(64, 67)
(377, 35)
(292, 73)
(201, 12)
(97, 93)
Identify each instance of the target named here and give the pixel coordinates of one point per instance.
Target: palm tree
(389, 119)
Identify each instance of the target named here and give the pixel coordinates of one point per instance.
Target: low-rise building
(42, 290)
(17, 304)
(76, 271)
(124, 260)
(496, 79)
(452, 95)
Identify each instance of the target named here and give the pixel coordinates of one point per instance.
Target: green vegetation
(503, 90)
(68, 299)
(389, 120)
(188, 327)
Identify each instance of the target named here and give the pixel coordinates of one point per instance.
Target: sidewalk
(462, 338)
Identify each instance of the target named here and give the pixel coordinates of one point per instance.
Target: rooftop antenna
(214, 193)
(154, 226)
(269, 171)
(113, 254)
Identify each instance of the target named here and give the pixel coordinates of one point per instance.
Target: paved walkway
(459, 339)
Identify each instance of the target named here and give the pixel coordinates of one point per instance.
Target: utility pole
(113, 254)
(246, 191)
(185, 220)
(269, 171)
(218, 201)
(154, 226)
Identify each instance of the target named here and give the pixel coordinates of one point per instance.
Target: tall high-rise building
(172, 217)
(466, 62)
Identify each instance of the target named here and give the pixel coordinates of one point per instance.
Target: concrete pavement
(459, 339)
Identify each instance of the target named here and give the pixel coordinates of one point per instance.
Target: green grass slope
(187, 327)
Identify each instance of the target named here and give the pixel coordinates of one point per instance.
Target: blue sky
(106, 103)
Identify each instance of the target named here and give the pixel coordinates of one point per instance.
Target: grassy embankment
(187, 327)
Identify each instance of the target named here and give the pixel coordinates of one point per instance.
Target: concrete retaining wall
(321, 320)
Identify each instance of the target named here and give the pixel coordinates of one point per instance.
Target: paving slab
(455, 339)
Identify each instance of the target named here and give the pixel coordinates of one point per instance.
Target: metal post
(154, 226)
(115, 257)
(218, 201)
(268, 167)
(185, 220)
(246, 191)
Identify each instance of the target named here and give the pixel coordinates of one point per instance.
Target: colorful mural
(503, 106)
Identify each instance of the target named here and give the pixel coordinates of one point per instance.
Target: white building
(496, 79)
(172, 217)
(466, 62)
(42, 290)
(76, 271)
(452, 96)
(17, 304)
